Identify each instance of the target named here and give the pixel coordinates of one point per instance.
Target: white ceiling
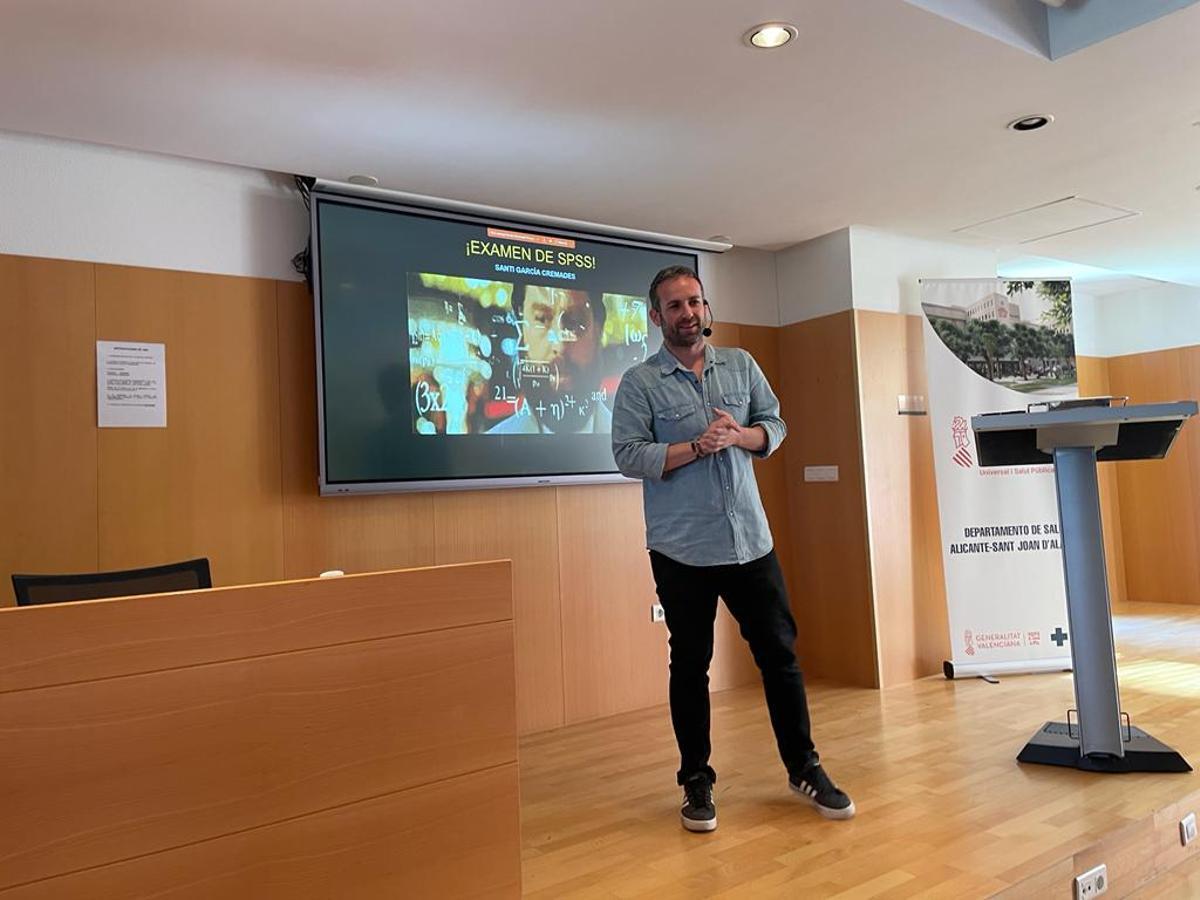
(644, 113)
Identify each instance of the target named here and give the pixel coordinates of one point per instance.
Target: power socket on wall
(1092, 883)
(1187, 829)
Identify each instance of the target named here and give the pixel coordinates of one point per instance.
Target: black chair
(190, 575)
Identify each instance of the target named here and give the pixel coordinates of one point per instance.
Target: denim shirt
(707, 512)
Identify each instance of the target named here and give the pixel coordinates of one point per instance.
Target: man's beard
(677, 337)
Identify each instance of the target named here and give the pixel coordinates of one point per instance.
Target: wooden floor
(943, 808)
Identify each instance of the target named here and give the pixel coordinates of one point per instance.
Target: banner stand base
(952, 668)
(1056, 744)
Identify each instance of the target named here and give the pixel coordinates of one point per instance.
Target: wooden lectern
(1075, 435)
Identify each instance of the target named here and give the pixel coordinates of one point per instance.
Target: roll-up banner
(992, 345)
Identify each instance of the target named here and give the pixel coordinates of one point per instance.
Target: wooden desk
(347, 737)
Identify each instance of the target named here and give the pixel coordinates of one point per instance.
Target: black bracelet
(696, 449)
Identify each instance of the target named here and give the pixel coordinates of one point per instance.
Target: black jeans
(754, 593)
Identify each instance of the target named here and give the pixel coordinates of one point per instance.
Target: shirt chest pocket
(737, 404)
(677, 424)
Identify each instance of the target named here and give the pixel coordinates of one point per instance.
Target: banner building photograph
(673, 450)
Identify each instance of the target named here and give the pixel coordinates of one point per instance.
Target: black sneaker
(822, 793)
(698, 812)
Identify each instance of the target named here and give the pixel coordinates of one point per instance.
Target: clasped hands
(722, 432)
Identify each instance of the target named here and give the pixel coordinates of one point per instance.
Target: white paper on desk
(131, 385)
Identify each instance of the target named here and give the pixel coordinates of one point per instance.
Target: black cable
(302, 261)
(304, 184)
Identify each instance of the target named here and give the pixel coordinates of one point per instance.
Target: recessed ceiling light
(1030, 123)
(364, 180)
(770, 35)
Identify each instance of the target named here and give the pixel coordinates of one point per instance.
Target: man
(688, 421)
(558, 367)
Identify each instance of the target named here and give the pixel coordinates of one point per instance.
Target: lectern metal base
(1057, 745)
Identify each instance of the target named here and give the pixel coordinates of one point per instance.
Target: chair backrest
(181, 576)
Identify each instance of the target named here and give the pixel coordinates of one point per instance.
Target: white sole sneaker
(694, 825)
(827, 811)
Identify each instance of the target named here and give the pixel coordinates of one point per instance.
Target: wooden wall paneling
(830, 556)
(763, 344)
(614, 657)
(521, 525)
(1189, 365)
(910, 598)
(274, 737)
(733, 665)
(726, 334)
(393, 845)
(208, 483)
(64, 643)
(1094, 382)
(47, 418)
(1140, 485)
(929, 574)
(354, 534)
(1159, 498)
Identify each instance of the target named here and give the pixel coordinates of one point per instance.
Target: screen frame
(374, 198)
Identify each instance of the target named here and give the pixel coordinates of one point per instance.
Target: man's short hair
(666, 275)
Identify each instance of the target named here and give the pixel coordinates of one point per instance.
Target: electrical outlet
(1187, 829)
(656, 613)
(1091, 883)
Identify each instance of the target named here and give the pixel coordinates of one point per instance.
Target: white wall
(814, 278)
(865, 268)
(886, 268)
(68, 200)
(740, 286)
(1157, 317)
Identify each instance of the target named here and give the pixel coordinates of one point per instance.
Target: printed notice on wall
(131, 385)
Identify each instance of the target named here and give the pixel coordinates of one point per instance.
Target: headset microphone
(707, 329)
